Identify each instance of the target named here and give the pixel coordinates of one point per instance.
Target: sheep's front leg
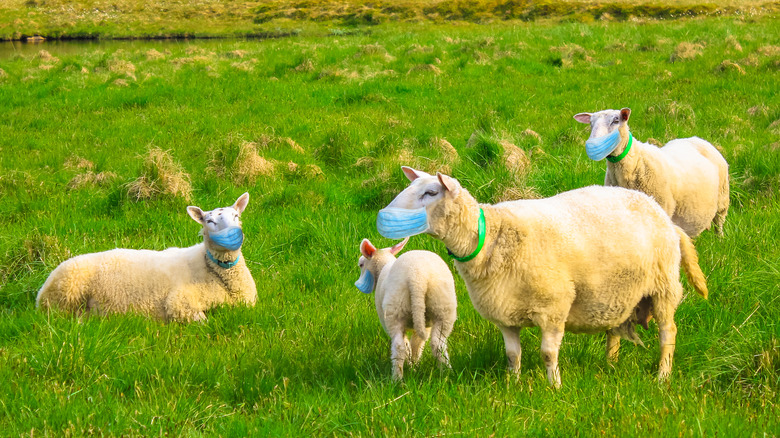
(398, 353)
(613, 347)
(513, 350)
(551, 343)
(200, 317)
(439, 336)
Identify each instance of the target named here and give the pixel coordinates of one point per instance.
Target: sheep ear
(625, 113)
(413, 174)
(449, 183)
(582, 117)
(398, 246)
(241, 203)
(367, 249)
(195, 213)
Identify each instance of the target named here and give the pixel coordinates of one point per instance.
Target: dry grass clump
(447, 149)
(728, 65)
(161, 177)
(654, 142)
(374, 50)
(3, 74)
(46, 66)
(293, 145)
(774, 127)
(249, 165)
(238, 53)
(78, 163)
(45, 56)
(514, 193)
(91, 179)
(531, 133)
(759, 109)
(769, 50)
(514, 158)
(121, 83)
(313, 171)
(154, 55)
(425, 68)
(571, 53)
(416, 48)
(681, 110)
(732, 42)
(122, 67)
(306, 66)
(365, 162)
(247, 65)
(685, 51)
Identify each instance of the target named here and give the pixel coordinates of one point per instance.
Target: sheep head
(372, 261)
(221, 222)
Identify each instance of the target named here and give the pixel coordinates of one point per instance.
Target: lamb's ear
(398, 246)
(582, 117)
(625, 113)
(449, 183)
(241, 203)
(367, 249)
(413, 174)
(195, 213)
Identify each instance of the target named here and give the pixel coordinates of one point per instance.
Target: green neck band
(479, 245)
(625, 151)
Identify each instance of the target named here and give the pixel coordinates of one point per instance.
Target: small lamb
(414, 292)
(688, 177)
(582, 261)
(177, 284)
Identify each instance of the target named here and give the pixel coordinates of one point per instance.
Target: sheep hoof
(200, 317)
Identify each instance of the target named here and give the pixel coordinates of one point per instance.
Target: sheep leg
(439, 336)
(418, 344)
(667, 331)
(551, 343)
(720, 219)
(613, 347)
(398, 354)
(200, 317)
(513, 350)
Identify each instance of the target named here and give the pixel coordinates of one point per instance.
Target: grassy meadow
(105, 144)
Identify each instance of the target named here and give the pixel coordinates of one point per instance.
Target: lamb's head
(222, 226)
(371, 262)
(609, 132)
(420, 207)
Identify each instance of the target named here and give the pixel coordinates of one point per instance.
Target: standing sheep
(580, 261)
(175, 284)
(414, 292)
(688, 177)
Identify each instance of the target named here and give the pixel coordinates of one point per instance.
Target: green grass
(311, 357)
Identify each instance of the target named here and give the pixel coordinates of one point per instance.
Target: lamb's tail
(417, 296)
(690, 262)
(61, 290)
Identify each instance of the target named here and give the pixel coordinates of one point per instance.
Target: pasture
(103, 145)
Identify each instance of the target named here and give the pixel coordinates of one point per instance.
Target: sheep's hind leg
(398, 354)
(551, 343)
(513, 350)
(719, 220)
(667, 331)
(418, 344)
(439, 336)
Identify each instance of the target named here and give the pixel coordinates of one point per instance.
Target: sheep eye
(614, 121)
(431, 193)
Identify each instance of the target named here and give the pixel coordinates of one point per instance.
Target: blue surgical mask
(397, 223)
(365, 283)
(599, 147)
(230, 238)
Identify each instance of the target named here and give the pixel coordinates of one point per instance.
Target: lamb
(414, 292)
(581, 261)
(177, 284)
(688, 177)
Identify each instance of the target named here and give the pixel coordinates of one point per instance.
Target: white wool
(415, 292)
(581, 261)
(688, 177)
(175, 284)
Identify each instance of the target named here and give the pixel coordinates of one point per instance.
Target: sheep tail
(690, 262)
(417, 296)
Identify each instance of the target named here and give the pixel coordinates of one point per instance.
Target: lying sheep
(688, 177)
(414, 292)
(581, 261)
(175, 284)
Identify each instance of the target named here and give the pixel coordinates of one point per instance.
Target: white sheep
(175, 284)
(581, 261)
(414, 292)
(688, 177)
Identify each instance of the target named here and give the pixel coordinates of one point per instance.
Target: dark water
(9, 49)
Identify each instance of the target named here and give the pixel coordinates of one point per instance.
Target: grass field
(105, 145)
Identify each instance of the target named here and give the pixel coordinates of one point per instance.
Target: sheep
(688, 177)
(414, 292)
(177, 284)
(581, 261)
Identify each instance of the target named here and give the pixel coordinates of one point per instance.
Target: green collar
(625, 151)
(224, 265)
(479, 245)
